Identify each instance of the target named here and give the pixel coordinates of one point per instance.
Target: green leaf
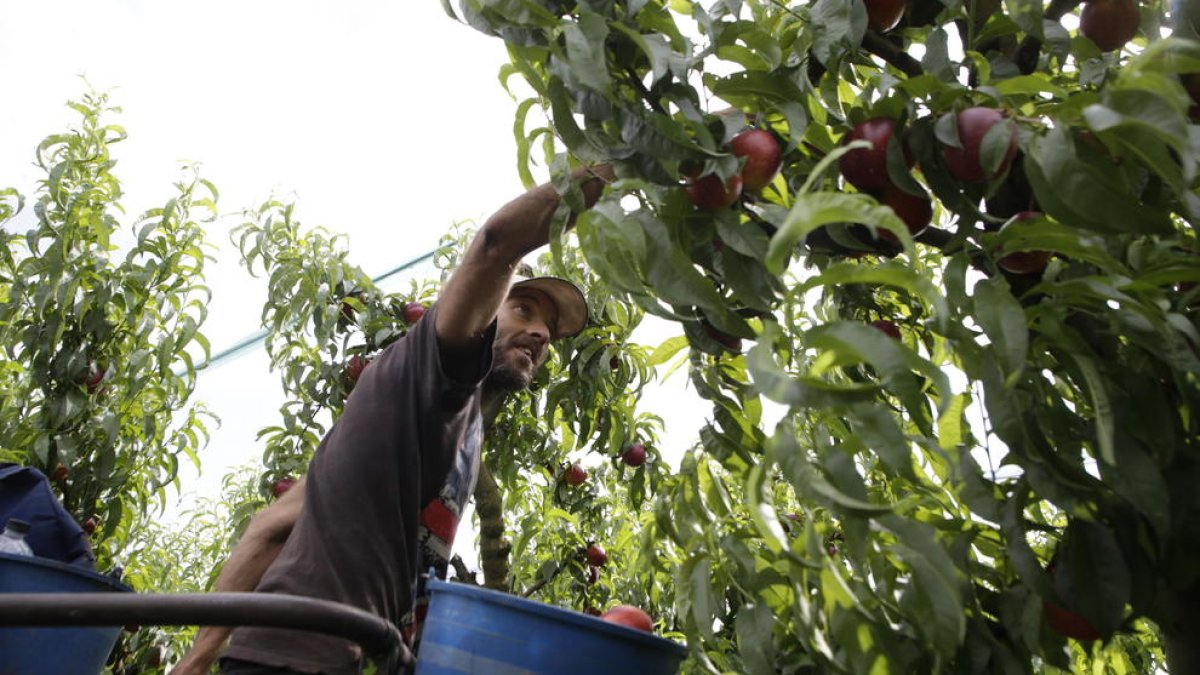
(702, 604)
(846, 343)
(658, 136)
(951, 427)
(813, 210)
(838, 26)
(1156, 134)
(799, 392)
(1084, 195)
(754, 626)
(1101, 407)
(783, 449)
(762, 512)
(670, 273)
(656, 48)
(1016, 538)
(1003, 320)
(749, 281)
(566, 127)
(744, 238)
(1043, 234)
(585, 50)
(994, 148)
(1030, 85)
(875, 427)
(935, 580)
(749, 89)
(614, 245)
(890, 273)
(667, 349)
(1092, 575)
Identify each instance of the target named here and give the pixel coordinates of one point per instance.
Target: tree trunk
(493, 547)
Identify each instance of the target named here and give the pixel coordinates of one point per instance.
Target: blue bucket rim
(552, 612)
(58, 566)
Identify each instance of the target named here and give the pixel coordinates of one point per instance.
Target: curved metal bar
(378, 637)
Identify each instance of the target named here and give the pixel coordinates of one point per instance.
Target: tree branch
(645, 93)
(460, 570)
(888, 51)
(542, 584)
(1026, 56)
(493, 548)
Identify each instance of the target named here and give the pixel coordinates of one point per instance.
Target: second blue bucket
(471, 630)
(62, 651)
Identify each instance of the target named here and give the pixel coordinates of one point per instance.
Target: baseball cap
(568, 299)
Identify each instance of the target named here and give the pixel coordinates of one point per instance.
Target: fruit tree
(1030, 417)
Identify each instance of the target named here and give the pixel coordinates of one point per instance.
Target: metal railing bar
(378, 637)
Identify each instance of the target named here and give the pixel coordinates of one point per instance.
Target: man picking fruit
(385, 489)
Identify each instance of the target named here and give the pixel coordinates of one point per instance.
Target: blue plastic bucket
(61, 651)
(474, 630)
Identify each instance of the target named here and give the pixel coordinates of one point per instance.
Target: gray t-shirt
(407, 434)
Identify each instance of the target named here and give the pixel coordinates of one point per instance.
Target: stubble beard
(506, 376)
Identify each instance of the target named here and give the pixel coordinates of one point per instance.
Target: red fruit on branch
(92, 377)
(355, 367)
(60, 473)
(593, 575)
(413, 312)
(596, 555)
(866, 168)
(915, 210)
(733, 344)
(1024, 262)
(575, 475)
(710, 194)
(966, 162)
(763, 157)
(1110, 24)
(1067, 623)
(883, 15)
(635, 455)
(628, 615)
(887, 328)
(282, 485)
(89, 526)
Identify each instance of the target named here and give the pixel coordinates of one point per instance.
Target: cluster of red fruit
(625, 615)
(1109, 24)
(763, 157)
(355, 366)
(575, 474)
(867, 170)
(93, 377)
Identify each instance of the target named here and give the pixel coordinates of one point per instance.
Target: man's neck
(490, 402)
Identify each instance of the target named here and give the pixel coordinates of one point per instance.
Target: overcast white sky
(382, 119)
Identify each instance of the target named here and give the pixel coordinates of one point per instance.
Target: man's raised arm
(471, 298)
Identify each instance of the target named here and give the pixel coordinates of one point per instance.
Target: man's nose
(540, 332)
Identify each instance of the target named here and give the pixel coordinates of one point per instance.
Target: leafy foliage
(1023, 422)
(100, 333)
